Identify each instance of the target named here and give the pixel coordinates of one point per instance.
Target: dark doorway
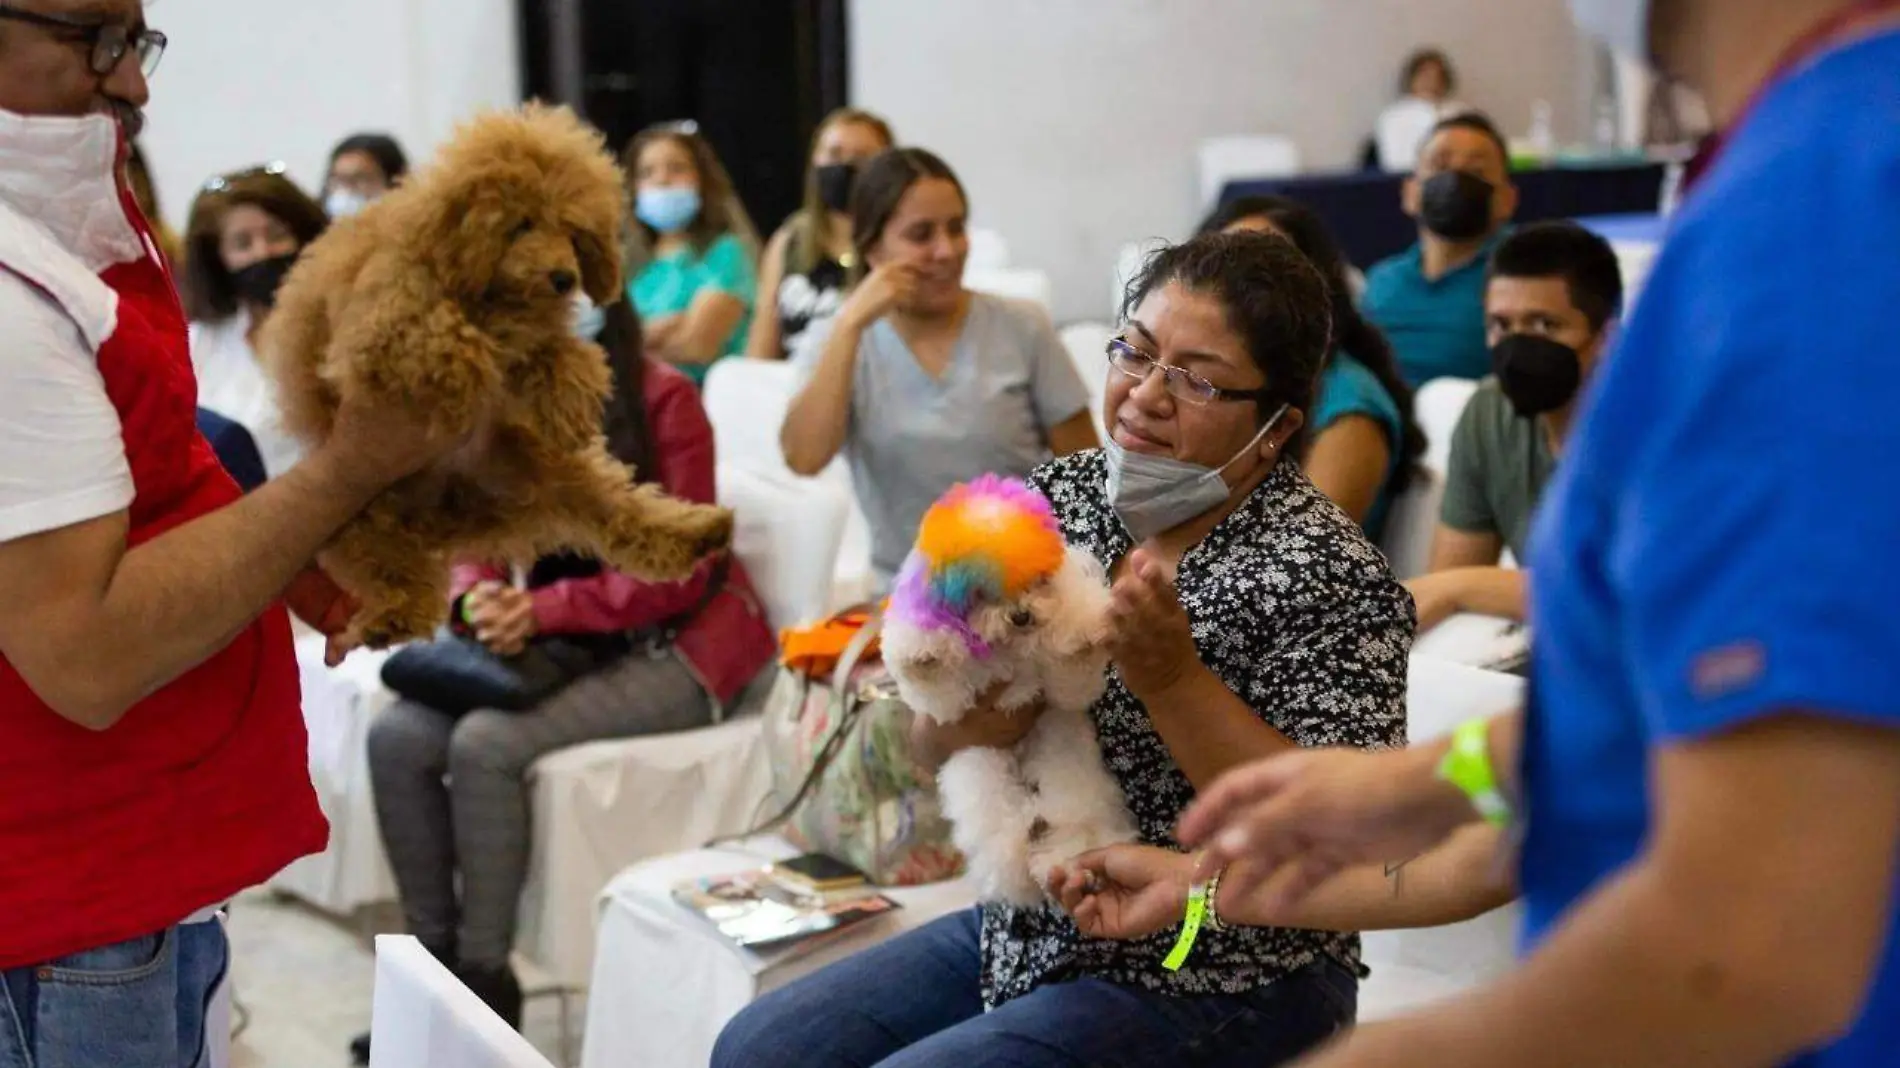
(756, 75)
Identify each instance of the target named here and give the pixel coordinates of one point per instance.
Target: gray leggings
(452, 795)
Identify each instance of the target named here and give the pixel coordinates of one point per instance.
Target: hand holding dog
(983, 726)
(1148, 633)
(375, 445)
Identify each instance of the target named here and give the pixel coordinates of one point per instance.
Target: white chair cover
(422, 1017)
(1087, 344)
(1438, 404)
(788, 533)
(1227, 159)
(665, 982)
(1022, 283)
(1412, 522)
(988, 250)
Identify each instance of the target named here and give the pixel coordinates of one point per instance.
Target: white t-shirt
(62, 460)
(232, 383)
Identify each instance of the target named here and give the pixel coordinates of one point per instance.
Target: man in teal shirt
(1429, 299)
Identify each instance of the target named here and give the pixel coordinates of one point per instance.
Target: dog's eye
(521, 228)
(1021, 617)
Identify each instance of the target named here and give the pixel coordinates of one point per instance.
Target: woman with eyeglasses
(1250, 616)
(692, 253)
(363, 167)
(920, 382)
(245, 231)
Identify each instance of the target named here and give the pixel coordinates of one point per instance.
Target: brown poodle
(453, 296)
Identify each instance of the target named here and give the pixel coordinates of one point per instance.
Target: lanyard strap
(1814, 41)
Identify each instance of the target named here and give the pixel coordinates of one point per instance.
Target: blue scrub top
(1348, 387)
(1436, 327)
(1722, 541)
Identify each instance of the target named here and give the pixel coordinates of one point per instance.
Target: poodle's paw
(382, 626)
(1058, 846)
(1005, 878)
(668, 546)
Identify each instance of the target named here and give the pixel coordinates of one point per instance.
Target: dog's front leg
(428, 359)
(398, 577)
(636, 529)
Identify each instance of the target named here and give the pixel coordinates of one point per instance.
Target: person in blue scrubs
(1706, 783)
(1429, 299)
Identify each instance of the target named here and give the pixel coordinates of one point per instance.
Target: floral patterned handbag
(843, 771)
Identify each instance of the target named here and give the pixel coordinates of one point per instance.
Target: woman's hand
(1318, 811)
(1148, 635)
(502, 616)
(886, 287)
(1124, 891)
(1436, 597)
(983, 726)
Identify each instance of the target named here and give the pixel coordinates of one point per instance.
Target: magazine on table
(794, 901)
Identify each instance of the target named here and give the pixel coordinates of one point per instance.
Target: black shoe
(498, 988)
(359, 1046)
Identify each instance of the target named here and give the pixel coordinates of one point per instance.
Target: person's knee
(488, 743)
(757, 1038)
(405, 738)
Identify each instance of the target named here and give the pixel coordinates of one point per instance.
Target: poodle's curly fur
(452, 297)
(1018, 813)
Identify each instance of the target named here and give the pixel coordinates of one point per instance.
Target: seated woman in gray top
(919, 381)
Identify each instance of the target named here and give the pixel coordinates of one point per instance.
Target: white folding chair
(1087, 344)
(1438, 405)
(1021, 283)
(1227, 159)
(1412, 522)
(788, 534)
(422, 1017)
(988, 250)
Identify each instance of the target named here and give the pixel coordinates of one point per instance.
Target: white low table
(665, 982)
(1473, 640)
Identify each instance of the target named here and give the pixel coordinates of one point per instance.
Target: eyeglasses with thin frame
(1182, 384)
(224, 182)
(108, 41)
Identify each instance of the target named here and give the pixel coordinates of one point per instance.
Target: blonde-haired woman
(806, 270)
(692, 252)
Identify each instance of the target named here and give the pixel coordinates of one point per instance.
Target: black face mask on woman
(1536, 374)
(1455, 205)
(835, 182)
(257, 284)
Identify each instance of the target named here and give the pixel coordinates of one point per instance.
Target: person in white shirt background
(1426, 84)
(363, 167)
(244, 234)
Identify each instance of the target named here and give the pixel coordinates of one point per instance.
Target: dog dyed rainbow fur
(983, 541)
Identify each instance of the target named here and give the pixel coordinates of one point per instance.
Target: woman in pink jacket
(451, 792)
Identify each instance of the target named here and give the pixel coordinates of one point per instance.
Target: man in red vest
(152, 749)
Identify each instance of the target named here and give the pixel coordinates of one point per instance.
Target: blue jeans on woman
(913, 1002)
(140, 1003)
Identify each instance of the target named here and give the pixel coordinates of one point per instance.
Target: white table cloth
(422, 1017)
(665, 982)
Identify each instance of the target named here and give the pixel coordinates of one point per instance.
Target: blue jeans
(137, 1004)
(912, 1002)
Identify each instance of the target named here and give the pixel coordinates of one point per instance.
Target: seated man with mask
(1429, 299)
(1551, 295)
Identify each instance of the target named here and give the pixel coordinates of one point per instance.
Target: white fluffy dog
(964, 622)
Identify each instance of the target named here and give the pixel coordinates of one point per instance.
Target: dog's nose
(563, 282)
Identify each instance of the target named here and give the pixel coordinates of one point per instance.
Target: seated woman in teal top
(692, 252)
(1362, 442)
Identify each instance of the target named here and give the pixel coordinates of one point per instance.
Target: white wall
(1073, 122)
(247, 81)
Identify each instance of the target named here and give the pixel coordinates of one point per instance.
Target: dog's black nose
(563, 282)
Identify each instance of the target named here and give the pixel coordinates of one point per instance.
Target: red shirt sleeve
(611, 601)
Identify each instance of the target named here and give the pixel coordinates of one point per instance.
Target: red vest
(202, 789)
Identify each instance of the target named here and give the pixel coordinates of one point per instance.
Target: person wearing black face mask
(806, 267)
(1429, 299)
(1551, 297)
(245, 232)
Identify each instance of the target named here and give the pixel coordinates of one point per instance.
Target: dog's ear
(464, 230)
(599, 255)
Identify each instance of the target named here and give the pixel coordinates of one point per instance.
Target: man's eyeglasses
(1182, 383)
(224, 182)
(108, 41)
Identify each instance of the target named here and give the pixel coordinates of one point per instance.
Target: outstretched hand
(1124, 891)
(1149, 637)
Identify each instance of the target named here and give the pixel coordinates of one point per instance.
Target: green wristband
(1467, 765)
(1190, 927)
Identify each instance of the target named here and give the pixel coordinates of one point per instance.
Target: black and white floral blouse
(1298, 614)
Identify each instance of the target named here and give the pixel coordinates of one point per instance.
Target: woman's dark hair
(208, 292)
(629, 437)
(1562, 249)
(881, 186)
(380, 147)
(1275, 300)
(1352, 332)
(1421, 59)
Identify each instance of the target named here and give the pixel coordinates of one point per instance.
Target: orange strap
(814, 650)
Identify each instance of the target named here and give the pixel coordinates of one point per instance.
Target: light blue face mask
(668, 209)
(589, 318)
(343, 203)
(1154, 494)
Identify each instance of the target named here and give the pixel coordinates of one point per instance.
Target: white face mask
(1621, 24)
(343, 203)
(1154, 494)
(589, 318)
